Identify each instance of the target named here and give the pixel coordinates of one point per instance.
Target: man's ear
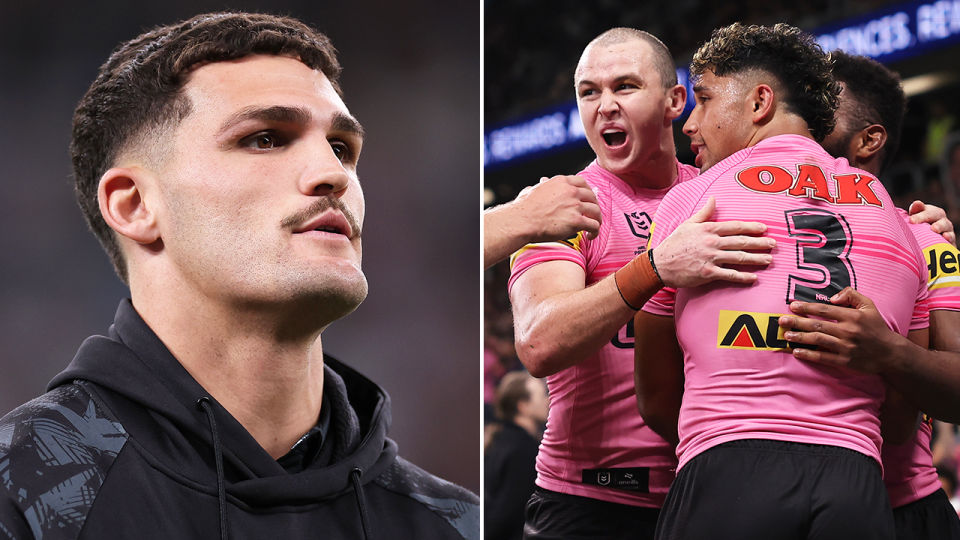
(870, 141)
(761, 102)
(124, 206)
(676, 102)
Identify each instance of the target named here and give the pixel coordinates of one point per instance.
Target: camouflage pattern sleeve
(55, 452)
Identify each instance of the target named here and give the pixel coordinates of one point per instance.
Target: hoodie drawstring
(204, 403)
(361, 502)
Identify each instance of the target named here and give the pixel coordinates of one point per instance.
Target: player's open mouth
(614, 138)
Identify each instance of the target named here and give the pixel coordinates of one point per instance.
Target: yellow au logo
(751, 331)
(943, 266)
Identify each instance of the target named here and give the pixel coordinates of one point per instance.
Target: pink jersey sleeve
(943, 268)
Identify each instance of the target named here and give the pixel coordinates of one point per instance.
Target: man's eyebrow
(276, 113)
(699, 88)
(345, 123)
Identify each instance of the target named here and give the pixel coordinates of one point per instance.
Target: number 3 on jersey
(824, 240)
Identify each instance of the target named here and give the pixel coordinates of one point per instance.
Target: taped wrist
(638, 281)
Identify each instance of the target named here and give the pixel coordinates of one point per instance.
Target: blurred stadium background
(531, 127)
(412, 77)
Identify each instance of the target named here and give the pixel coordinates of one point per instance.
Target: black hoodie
(126, 444)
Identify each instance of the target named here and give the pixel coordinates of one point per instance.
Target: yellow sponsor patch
(750, 331)
(943, 266)
(572, 242)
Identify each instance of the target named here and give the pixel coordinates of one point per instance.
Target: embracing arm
(936, 217)
(559, 322)
(899, 418)
(658, 373)
(861, 340)
(554, 209)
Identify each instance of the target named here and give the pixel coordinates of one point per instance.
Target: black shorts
(552, 515)
(930, 518)
(771, 490)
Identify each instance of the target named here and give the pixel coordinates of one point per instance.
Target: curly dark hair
(791, 56)
(876, 96)
(138, 93)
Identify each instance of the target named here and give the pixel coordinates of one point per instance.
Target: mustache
(319, 206)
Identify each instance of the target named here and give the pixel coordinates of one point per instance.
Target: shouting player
(601, 473)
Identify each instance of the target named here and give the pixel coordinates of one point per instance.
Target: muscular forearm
(502, 234)
(565, 329)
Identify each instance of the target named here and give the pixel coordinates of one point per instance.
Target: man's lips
(326, 214)
(331, 221)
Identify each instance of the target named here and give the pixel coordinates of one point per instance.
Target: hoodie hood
(173, 433)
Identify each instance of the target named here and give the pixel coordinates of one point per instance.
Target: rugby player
(869, 122)
(601, 473)
(770, 447)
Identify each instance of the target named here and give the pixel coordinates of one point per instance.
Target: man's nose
(690, 126)
(326, 174)
(609, 104)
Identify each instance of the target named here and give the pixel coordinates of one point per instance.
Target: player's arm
(658, 373)
(899, 418)
(560, 322)
(936, 217)
(861, 340)
(554, 209)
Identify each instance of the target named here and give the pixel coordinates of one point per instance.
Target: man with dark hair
(869, 120)
(216, 162)
(771, 447)
(601, 472)
(510, 457)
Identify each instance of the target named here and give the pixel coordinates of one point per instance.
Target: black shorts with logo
(930, 518)
(551, 515)
(772, 490)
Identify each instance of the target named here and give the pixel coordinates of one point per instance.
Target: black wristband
(654, 266)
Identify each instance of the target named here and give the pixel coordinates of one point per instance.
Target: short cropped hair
(511, 391)
(793, 57)
(138, 93)
(662, 60)
(876, 95)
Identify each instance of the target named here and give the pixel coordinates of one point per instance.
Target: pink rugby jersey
(596, 445)
(834, 226)
(909, 473)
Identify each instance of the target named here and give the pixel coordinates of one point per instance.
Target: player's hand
(696, 251)
(936, 217)
(857, 336)
(558, 208)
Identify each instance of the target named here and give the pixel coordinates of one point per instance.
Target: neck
(268, 377)
(658, 173)
(781, 124)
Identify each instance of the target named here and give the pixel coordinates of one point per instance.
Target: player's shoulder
(457, 506)
(67, 415)
(55, 452)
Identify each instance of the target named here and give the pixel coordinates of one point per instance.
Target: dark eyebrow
(346, 123)
(341, 122)
(277, 113)
(699, 88)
